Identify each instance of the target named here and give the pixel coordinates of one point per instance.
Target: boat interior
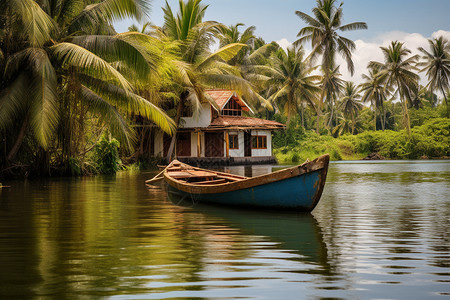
(188, 174)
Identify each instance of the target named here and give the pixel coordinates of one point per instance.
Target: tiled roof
(221, 97)
(243, 123)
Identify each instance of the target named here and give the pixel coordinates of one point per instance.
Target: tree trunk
(445, 99)
(12, 153)
(290, 104)
(375, 116)
(319, 110)
(302, 112)
(353, 124)
(405, 110)
(177, 122)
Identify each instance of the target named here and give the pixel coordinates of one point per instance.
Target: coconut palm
(58, 70)
(437, 66)
(399, 69)
(198, 68)
(322, 31)
(333, 86)
(291, 80)
(231, 34)
(376, 92)
(350, 104)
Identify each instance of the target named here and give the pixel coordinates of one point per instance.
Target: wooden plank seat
(230, 178)
(192, 174)
(215, 181)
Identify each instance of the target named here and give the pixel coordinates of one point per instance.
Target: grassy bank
(430, 140)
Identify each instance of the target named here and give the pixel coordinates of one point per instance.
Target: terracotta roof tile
(220, 96)
(244, 122)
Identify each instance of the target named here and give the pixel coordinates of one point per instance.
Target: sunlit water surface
(381, 231)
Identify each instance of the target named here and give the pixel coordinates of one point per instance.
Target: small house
(222, 134)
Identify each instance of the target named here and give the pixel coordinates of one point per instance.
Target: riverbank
(428, 141)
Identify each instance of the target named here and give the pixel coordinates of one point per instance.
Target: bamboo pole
(199, 148)
(227, 142)
(157, 177)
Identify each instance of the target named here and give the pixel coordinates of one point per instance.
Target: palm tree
(291, 80)
(59, 69)
(437, 65)
(350, 104)
(399, 69)
(198, 68)
(230, 35)
(333, 86)
(322, 32)
(376, 92)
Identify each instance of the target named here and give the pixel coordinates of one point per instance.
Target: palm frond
(71, 55)
(109, 115)
(44, 112)
(129, 102)
(109, 11)
(12, 103)
(353, 26)
(225, 53)
(308, 19)
(37, 25)
(138, 51)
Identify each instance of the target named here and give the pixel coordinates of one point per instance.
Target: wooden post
(227, 142)
(199, 148)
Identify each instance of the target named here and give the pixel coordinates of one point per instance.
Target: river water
(380, 231)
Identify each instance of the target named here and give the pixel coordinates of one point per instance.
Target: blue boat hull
(297, 193)
(296, 188)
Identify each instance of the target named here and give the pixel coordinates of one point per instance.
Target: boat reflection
(293, 231)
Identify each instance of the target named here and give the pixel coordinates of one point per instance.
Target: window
(259, 142)
(232, 108)
(234, 141)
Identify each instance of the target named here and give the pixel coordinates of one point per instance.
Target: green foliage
(431, 140)
(75, 166)
(106, 156)
(291, 135)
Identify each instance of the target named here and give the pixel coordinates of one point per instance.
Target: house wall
(194, 145)
(203, 120)
(255, 152)
(158, 145)
(237, 152)
(263, 152)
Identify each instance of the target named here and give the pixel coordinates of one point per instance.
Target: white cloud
(370, 51)
(284, 43)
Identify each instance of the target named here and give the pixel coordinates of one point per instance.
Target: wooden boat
(296, 188)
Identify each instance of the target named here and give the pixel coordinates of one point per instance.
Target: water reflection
(293, 231)
(380, 231)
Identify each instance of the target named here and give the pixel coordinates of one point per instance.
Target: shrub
(106, 156)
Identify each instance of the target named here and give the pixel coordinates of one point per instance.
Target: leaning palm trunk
(174, 137)
(445, 98)
(12, 153)
(319, 110)
(405, 109)
(375, 116)
(353, 124)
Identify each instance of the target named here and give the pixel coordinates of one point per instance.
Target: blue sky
(276, 19)
(409, 21)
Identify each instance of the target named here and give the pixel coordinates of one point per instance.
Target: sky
(409, 21)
